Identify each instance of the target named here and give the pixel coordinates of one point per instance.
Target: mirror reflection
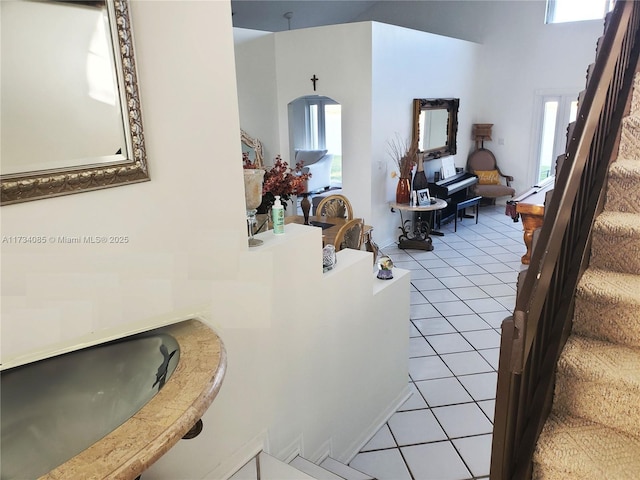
(70, 110)
(433, 129)
(435, 126)
(40, 84)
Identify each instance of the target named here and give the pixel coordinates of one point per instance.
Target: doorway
(315, 123)
(556, 113)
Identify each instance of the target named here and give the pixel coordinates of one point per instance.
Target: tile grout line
(504, 267)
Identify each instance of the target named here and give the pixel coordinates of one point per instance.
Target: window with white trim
(556, 113)
(560, 11)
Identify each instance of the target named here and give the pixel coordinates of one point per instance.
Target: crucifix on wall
(314, 79)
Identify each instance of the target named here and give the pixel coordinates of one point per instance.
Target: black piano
(452, 189)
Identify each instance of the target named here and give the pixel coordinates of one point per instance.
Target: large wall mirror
(435, 126)
(70, 109)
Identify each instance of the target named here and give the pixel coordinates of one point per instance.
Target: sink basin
(55, 408)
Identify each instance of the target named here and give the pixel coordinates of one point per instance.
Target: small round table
(418, 236)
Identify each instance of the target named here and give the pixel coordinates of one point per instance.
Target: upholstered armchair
(492, 183)
(318, 164)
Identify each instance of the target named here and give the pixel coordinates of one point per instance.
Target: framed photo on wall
(423, 197)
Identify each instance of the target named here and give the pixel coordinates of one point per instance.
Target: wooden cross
(314, 79)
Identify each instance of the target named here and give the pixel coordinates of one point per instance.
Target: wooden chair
(335, 205)
(350, 235)
(483, 163)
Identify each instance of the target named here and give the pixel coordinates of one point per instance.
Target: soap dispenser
(278, 216)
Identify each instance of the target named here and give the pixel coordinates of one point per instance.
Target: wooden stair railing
(533, 337)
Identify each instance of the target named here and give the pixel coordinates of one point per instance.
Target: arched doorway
(315, 124)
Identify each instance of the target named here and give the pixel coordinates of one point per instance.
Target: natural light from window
(557, 112)
(333, 140)
(560, 11)
(316, 124)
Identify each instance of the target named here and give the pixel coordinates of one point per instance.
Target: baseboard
(237, 460)
(260, 442)
(290, 452)
(357, 445)
(322, 452)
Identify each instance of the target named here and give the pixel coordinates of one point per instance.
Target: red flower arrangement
(279, 180)
(246, 161)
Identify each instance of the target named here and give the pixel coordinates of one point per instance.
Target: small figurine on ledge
(329, 258)
(385, 266)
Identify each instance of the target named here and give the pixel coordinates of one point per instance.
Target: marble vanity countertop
(135, 445)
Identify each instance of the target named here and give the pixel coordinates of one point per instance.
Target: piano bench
(467, 202)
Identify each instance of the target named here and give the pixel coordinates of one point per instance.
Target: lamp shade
(481, 131)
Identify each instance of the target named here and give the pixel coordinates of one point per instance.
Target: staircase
(265, 467)
(329, 469)
(593, 431)
(569, 371)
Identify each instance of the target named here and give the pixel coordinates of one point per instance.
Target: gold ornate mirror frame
(22, 187)
(451, 106)
(252, 144)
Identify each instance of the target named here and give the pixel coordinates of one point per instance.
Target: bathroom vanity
(110, 410)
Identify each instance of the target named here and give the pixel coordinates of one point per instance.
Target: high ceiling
(271, 15)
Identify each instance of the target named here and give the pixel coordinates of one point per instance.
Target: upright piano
(453, 190)
(530, 206)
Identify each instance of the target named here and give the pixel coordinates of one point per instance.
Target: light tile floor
(460, 293)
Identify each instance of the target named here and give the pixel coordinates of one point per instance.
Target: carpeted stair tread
(635, 98)
(630, 138)
(607, 306)
(573, 448)
(599, 381)
(621, 224)
(593, 431)
(616, 242)
(602, 361)
(623, 194)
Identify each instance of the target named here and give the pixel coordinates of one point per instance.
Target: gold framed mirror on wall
(70, 112)
(253, 148)
(435, 126)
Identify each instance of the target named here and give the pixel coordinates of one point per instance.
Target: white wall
(275, 69)
(345, 78)
(529, 57)
(257, 79)
(409, 64)
(177, 224)
(317, 362)
(520, 56)
(378, 72)
(308, 375)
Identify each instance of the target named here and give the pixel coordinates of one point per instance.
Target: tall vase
(420, 179)
(403, 190)
(305, 205)
(252, 197)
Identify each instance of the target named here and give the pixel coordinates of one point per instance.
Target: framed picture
(423, 197)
